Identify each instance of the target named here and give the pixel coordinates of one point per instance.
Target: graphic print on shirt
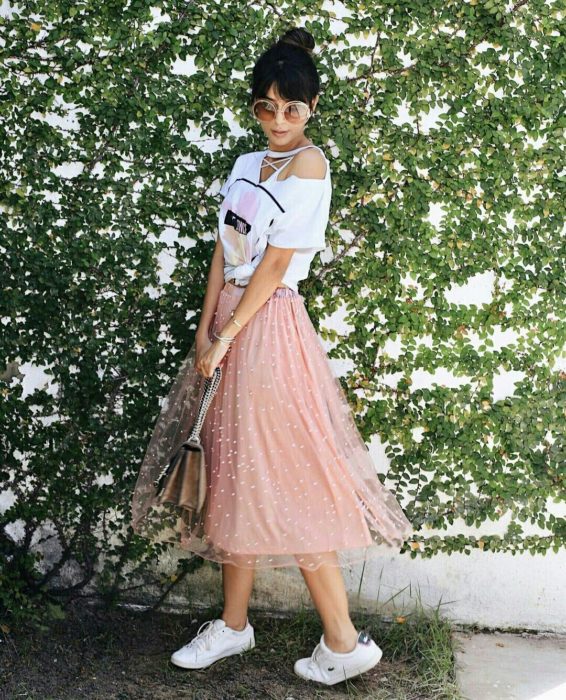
(238, 223)
(241, 211)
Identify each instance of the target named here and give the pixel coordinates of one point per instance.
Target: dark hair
(288, 65)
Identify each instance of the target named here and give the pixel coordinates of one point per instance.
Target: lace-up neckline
(284, 158)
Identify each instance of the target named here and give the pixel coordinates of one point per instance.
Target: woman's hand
(202, 343)
(209, 355)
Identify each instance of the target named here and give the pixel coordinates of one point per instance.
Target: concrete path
(501, 666)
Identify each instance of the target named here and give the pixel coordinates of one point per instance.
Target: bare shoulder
(309, 164)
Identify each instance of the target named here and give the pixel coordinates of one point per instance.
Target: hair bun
(299, 37)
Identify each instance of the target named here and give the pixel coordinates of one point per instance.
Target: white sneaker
(214, 640)
(329, 667)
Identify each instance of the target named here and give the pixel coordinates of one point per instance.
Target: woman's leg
(327, 590)
(237, 584)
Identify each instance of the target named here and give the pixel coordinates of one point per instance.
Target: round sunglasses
(294, 112)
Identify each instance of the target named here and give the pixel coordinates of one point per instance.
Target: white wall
(491, 590)
(496, 591)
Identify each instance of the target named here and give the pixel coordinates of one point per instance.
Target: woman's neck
(287, 149)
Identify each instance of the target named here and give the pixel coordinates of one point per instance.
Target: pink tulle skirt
(290, 479)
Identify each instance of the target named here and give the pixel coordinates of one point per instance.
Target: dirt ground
(120, 654)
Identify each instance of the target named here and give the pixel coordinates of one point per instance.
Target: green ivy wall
(118, 127)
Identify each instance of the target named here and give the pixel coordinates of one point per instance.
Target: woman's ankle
(235, 624)
(341, 641)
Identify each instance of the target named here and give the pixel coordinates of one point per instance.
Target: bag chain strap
(211, 384)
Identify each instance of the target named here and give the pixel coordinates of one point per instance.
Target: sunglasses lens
(264, 111)
(294, 111)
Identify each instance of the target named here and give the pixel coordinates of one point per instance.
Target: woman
(290, 480)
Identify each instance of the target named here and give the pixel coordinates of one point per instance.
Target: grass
(122, 654)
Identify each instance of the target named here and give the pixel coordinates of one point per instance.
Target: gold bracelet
(234, 320)
(224, 338)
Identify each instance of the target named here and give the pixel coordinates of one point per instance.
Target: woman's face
(292, 135)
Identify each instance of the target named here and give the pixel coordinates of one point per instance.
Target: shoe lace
(204, 636)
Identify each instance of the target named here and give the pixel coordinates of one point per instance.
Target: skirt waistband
(237, 291)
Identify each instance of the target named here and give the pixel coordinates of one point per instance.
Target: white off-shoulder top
(289, 213)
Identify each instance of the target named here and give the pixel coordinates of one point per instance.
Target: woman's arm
(213, 289)
(266, 277)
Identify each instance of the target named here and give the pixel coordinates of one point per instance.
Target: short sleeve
(304, 221)
(230, 179)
